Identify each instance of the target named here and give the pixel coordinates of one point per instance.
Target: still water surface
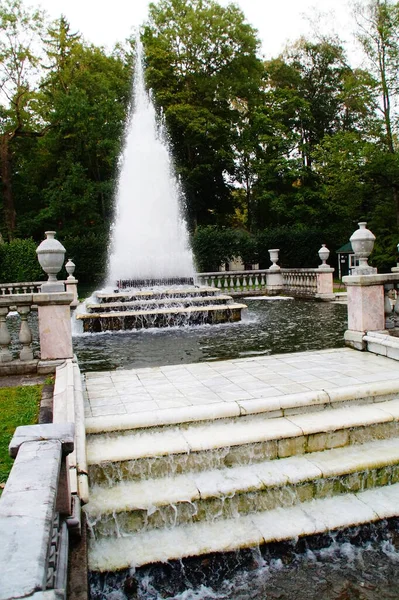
(267, 327)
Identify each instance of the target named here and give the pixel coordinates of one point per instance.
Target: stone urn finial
(362, 241)
(324, 253)
(50, 254)
(274, 259)
(70, 268)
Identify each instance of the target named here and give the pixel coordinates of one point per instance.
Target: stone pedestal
(54, 325)
(365, 307)
(325, 284)
(274, 281)
(71, 285)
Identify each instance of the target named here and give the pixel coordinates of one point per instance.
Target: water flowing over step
(172, 491)
(160, 307)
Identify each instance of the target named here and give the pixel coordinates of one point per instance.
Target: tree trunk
(6, 174)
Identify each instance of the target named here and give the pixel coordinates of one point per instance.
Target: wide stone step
(247, 440)
(214, 494)
(308, 518)
(131, 295)
(163, 317)
(161, 303)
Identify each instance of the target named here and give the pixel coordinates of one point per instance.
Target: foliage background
(289, 153)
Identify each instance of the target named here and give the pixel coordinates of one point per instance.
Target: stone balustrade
(27, 287)
(303, 283)
(53, 332)
(34, 510)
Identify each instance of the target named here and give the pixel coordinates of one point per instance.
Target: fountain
(150, 281)
(189, 464)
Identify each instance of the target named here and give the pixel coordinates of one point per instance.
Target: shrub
(213, 246)
(89, 253)
(18, 261)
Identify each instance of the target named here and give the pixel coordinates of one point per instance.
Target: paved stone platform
(130, 392)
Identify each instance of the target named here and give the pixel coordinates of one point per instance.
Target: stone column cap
(53, 298)
(62, 432)
(365, 280)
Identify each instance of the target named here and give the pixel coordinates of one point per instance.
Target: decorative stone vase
(70, 268)
(50, 254)
(362, 241)
(324, 253)
(274, 258)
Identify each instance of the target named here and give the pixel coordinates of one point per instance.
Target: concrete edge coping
(382, 339)
(190, 414)
(69, 406)
(63, 432)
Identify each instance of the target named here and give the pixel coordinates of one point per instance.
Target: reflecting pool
(267, 327)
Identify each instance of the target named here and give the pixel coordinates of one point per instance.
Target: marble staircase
(163, 490)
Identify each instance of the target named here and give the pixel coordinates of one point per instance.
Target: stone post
(274, 277)
(71, 283)
(324, 277)
(54, 316)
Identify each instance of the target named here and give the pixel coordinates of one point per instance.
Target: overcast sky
(104, 22)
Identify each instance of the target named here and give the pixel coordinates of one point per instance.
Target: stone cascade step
(182, 292)
(161, 317)
(194, 447)
(169, 302)
(135, 506)
(283, 523)
(169, 483)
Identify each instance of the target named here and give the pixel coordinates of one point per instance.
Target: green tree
(378, 33)
(84, 98)
(19, 31)
(201, 61)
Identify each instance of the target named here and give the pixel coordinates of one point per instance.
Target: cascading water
(149, 239)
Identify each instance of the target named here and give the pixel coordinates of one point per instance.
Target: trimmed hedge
(18, 262)
(299, 248)
(89, 254)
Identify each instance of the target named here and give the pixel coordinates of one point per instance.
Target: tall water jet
(149, 239)
(149, 246)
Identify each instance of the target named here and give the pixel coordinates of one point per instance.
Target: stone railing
(27, 287)
(53, 332)
(300, 282)
(234, 282)
(34, 510)
(304, 283)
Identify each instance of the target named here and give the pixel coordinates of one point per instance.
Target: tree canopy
(301, 142)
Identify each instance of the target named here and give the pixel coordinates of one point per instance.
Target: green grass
(18, 406)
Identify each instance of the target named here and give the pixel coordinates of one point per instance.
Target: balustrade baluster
(213, 281)
(396, 307)
(262, 280)
(5, 337)
(250, 282)
(219, 282)
(389, 316)
(256, 282)
(231, 286)
(25, 334)
(244, 283)
(238, 284)
(226, 283)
